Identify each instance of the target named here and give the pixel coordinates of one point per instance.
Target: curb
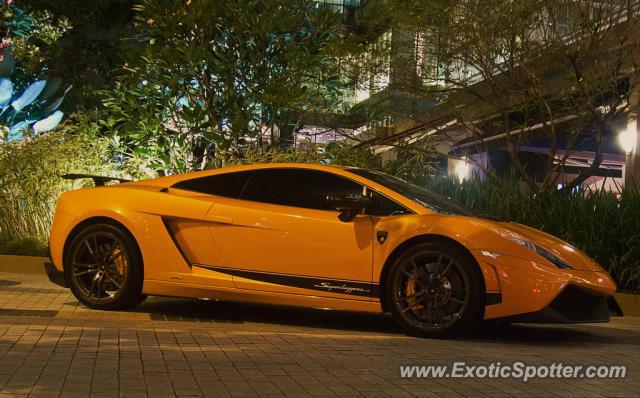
(630, 303)
(22, 264)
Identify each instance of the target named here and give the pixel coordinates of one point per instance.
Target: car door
(192, 236)
(282, 236)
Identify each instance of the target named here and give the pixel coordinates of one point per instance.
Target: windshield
(432, 201)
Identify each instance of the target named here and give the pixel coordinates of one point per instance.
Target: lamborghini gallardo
(318, 236)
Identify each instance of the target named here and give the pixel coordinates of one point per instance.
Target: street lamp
(627, 140)
(462, 170)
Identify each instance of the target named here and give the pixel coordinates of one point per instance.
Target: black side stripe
(353, 288)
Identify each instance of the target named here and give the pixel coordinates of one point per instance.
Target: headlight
(552, 258)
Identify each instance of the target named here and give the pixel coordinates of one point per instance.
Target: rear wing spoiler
(99, 181)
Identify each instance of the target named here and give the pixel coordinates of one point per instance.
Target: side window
(297, 187)
(228, 184)
(383, 206)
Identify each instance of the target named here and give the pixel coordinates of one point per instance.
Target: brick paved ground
(52, 346)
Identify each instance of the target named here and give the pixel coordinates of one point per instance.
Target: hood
(572, 256)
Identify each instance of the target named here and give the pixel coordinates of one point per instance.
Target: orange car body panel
(176, 229)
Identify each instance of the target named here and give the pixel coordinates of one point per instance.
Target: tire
(103, 268)
(435, 290)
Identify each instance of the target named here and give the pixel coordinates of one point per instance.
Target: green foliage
(30, 170)
(604, 225)
(338, 153)
(312, 154)
(348, 155)
(29, 100)
(415, 161)
(207, 74)
(30, 34)
(24, 247)
(93, 40)
(412, 164)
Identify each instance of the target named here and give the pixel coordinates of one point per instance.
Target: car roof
(173, 179)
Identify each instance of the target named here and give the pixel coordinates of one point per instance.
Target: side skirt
(176, 289)
(351, 288)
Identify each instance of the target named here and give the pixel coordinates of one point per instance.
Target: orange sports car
(318, 236)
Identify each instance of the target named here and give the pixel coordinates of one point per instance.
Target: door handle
(219, 219)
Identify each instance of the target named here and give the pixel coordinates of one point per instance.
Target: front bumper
(54, 275)
(529, 288)
(573, 305)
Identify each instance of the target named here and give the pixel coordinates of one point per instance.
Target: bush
(24, 247)
(30, 170)
(605, 225)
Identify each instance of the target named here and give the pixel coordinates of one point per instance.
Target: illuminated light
(627, 140)
(490, 254)
(462, 170)
(536, 290)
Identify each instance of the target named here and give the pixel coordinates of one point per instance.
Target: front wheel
(103, 268)
(434, 290)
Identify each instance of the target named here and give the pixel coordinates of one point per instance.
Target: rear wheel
(103, 268)
(434, 290)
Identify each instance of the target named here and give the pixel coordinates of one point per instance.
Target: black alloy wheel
(434, 290)
(103, 268)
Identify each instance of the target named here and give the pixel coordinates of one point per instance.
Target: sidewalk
(52, 346)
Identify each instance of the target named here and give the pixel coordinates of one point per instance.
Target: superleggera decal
(353, 288)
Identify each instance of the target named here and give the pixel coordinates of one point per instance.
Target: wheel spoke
(455, 300)
(112, 279)
(85, 265)
(439, 261)
(93, 285)
(99, 287)
(446, 269)
(405, 310)
(413, 278)
(88, 271)
(427, 308)
(440, 317)
(93, 254)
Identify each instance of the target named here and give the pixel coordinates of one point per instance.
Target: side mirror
(348, 204)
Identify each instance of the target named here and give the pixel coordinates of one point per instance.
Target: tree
(29, 99)
(87, 55)
(203, 77)
(513, 73)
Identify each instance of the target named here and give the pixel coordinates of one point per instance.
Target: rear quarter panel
(137, 208)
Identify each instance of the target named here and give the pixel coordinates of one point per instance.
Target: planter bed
(22, 264)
